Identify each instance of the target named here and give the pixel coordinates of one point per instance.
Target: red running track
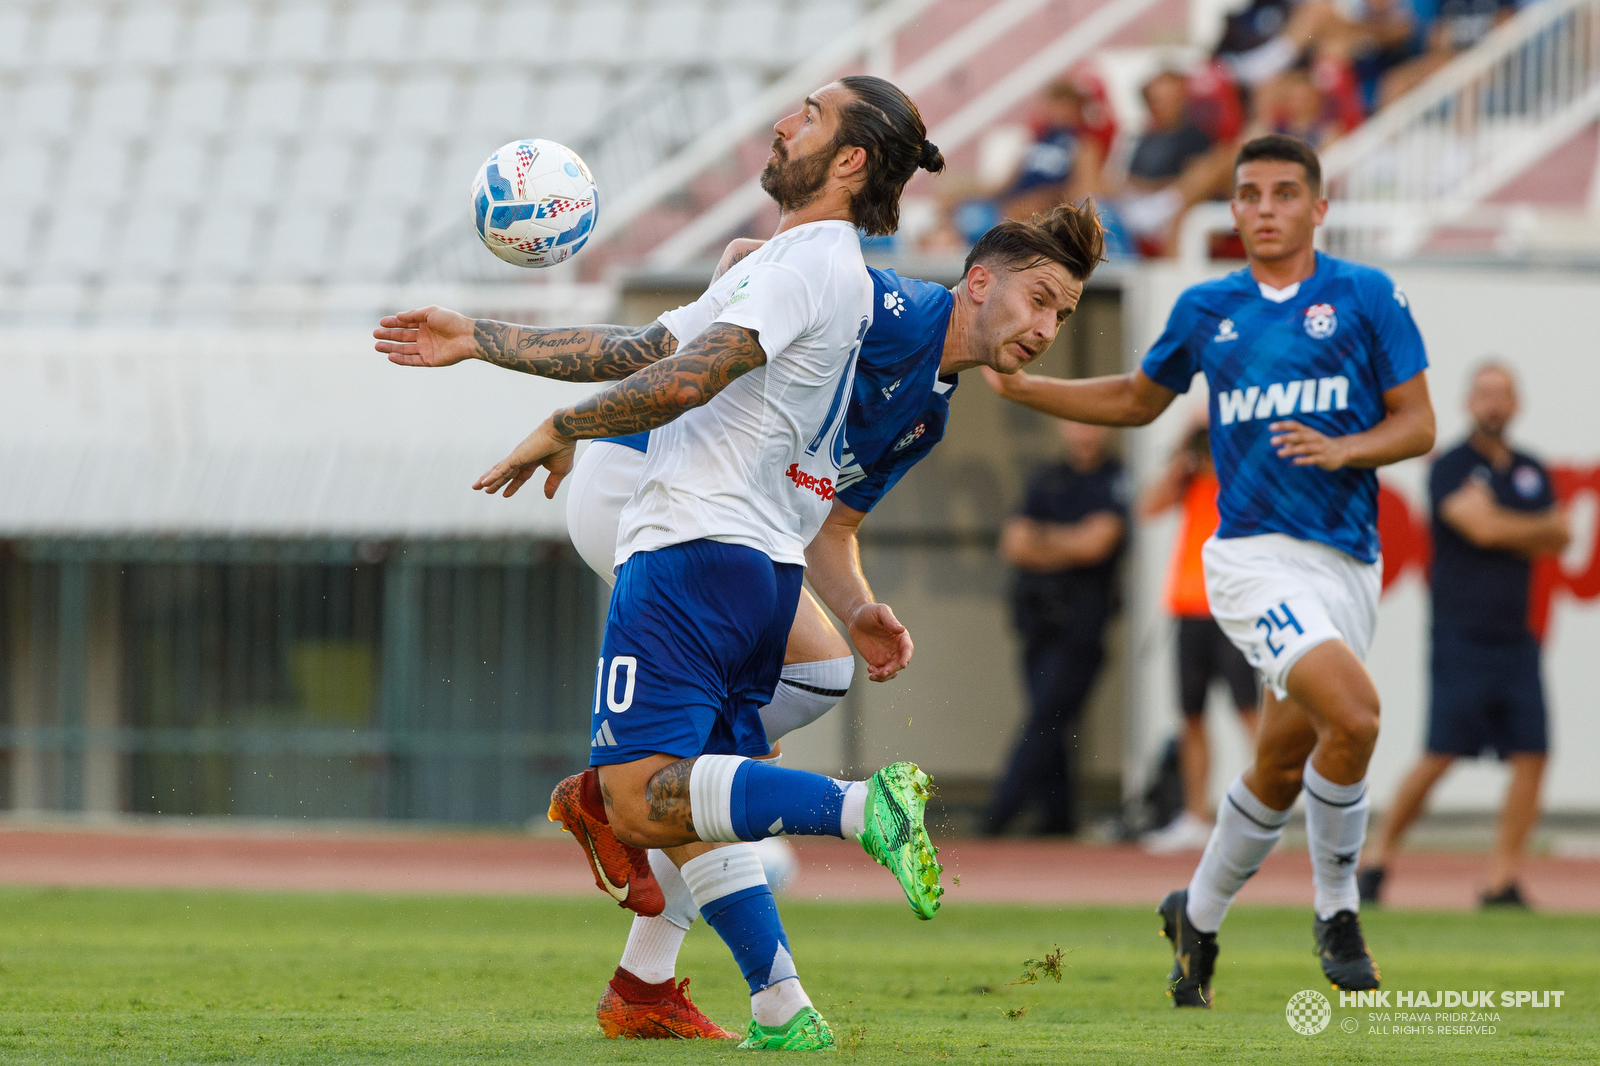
(1010, 871)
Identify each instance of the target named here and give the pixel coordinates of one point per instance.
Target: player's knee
(1357, 723)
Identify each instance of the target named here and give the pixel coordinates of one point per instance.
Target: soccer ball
(534, 203)
(779, 862)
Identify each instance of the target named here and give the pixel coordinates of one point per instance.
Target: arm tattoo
(667, 388)
(668, 796)
(579, 353)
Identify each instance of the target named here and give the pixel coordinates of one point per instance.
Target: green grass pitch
(145, 977)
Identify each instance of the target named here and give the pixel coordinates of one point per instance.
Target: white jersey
(757, 465)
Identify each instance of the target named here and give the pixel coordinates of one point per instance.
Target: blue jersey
(900, 406)
(1323, 357)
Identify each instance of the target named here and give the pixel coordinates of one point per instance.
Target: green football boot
(806, 1031)
(896, 837)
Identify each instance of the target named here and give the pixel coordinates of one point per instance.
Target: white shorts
(599, 486)
(1277, 597)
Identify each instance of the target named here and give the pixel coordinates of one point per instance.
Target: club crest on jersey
(1321, 321)
(892, 301)
(1225, 331)
(905, 441)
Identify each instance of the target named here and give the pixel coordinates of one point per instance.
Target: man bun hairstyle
(882, 120)
(1277, 147)
(1069, 235)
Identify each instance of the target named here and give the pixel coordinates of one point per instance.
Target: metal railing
(1027, 78)
(1433, 155)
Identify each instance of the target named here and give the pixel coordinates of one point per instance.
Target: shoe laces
(681, 993)
(1344, 940)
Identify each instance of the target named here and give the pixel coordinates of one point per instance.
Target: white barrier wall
(1542, 323)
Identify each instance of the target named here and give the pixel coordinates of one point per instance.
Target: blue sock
(768, 800)
(748, 922)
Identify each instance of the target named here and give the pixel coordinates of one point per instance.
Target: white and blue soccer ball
(534, 203)
(779, 861)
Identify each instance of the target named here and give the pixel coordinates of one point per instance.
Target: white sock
(652, 951)
(651, 954)
(806, 692)
(777, 1003)
(1336, 827)
(853, 818)
(1245, 831)
(711, 798)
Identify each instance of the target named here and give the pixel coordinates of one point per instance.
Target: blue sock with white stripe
(733, 798)
(731, 890)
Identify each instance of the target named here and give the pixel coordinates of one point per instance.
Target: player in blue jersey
(1316, 377)
(1021, 280)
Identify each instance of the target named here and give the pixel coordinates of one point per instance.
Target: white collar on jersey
(1278, 296)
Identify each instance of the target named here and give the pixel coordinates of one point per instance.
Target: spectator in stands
(1063, 163)
(1205, 655)
(1065, 546)
(1458, 26)
(1267, 38)
(1299, 110)
(1493, 511)
(1174, 165)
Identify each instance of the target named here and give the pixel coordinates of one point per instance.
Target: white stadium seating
(316, 141)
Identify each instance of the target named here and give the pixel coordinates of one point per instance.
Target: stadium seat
(379, 31)
(45, 105)
(148, 34)
(15, 36)
(274, 104)
(149, 245)
(224, 33)
(198, 102)
(349, 105)
(300, 32)
(76, 36)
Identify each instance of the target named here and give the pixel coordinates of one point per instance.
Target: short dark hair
(1069, 235)
(1284, 149)
(883, 120)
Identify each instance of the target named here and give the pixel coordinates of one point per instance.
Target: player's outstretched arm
(833, 566)
(437, 336)
(651, 397)
(1117, 400)
(1406, 431)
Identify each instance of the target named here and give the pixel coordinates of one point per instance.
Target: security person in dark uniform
(1065, 545)
(1493, 511)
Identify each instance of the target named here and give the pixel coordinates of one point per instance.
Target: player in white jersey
(1316, 375)
(749, 417)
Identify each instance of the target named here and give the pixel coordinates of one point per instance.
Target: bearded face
(795, 181)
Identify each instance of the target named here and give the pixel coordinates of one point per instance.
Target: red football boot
(619, 869)
(637, 1011)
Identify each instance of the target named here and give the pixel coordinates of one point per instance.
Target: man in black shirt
(1493, 511)
(1065, 545)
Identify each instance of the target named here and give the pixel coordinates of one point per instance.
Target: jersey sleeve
(689, 321)
(1173, 361)
(1398, 353)
(776, 302)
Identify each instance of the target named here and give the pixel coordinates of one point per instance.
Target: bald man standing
(1493, 513)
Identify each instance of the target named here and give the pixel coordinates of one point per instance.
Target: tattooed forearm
(668, 796)
(666, 389)
(579, 353)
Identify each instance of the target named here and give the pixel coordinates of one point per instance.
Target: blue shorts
(1486, 697)
(693, 648)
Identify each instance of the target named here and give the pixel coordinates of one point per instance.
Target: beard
(796, 182)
